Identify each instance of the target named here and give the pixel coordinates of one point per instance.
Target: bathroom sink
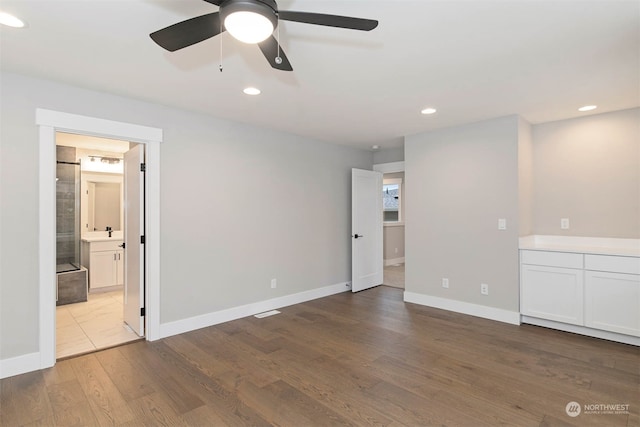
(102, 236)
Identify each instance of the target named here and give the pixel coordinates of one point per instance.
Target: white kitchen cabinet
(598, 293)
(612, 302)
(105, 263)
(552, 293)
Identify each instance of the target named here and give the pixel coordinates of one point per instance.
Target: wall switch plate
(274, 283)
(564, 223)
(484, 289)
(502, 224)
(445, 282)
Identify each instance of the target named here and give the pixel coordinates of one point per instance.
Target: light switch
(502, 224)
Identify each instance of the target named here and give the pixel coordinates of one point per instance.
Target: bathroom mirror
(102, 202)
(104, 206)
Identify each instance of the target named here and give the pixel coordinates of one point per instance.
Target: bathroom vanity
(103, 256)
(584, 285)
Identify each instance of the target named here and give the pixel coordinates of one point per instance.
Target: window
(392, 200)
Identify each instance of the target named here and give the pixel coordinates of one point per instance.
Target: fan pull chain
(278, 58)
(221, 45)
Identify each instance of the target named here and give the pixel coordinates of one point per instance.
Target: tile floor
(91, 325)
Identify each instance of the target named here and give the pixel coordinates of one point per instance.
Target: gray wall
(461, 180)
(588, 170)
(389, 155)
(239, 206)
(525, 177)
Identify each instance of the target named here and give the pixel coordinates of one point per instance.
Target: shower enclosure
(67, 216)
(71, 277)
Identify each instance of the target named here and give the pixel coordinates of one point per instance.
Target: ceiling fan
(250, 21)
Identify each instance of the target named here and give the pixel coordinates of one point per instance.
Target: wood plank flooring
(348, 359)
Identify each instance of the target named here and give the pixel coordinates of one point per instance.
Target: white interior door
(366, 229)
(133, 235)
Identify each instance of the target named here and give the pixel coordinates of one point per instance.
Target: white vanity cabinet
(105, 263)
(590, 293)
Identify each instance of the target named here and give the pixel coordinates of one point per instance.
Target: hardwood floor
(348, 359)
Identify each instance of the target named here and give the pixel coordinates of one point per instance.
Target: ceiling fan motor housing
(266, 8)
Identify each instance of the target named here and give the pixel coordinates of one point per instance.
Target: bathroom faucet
(109, 230)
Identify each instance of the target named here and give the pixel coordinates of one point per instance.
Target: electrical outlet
(502, 224)
(484, 289)
(274, 283)
(396, 250)
(445, 282)
(564, 223)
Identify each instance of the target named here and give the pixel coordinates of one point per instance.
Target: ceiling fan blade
(269, 49)
(329, 20)
(216, 2)
(186, 33)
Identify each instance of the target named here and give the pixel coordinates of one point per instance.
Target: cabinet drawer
(552, 259)
(111, 245)
(614, 264)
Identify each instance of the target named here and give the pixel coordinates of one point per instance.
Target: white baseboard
(492, 313)
(582, 330)
(392, 261)
(214, 318)
(19, 365)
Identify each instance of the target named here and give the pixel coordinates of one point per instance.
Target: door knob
(357, 235)
(121, 245)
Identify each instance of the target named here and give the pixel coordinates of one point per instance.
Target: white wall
(239, 206)
(588, 170)
(461, 180)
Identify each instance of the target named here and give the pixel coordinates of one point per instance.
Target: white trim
(49, 122)
(392, 167)
(492, 313)
(582, 330)
(214, 318)
(75, 123)
(19, 365)
(47, 246)
(393, 261)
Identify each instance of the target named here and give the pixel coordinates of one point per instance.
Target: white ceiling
(472, 60)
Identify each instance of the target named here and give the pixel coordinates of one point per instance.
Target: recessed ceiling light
(588, 108)
(375, 147)
(428, 111)
(10, 20)
(252, 91)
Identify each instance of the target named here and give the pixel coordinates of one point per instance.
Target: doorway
(394, 222)
(49, 122)
(90, 309)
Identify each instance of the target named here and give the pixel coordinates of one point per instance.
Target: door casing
(50, 122)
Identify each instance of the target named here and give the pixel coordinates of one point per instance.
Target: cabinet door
(119, 267)
(612, 302)
(103, 269)
(552, 293)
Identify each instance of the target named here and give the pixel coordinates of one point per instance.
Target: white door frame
(49, 123)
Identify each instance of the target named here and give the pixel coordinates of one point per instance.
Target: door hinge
(143, 167)
(142, 312)
(142, 240)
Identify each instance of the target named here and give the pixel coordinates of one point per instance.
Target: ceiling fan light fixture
(249, 21)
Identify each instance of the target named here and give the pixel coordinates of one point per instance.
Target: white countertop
(102, 236)
(585, 245)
